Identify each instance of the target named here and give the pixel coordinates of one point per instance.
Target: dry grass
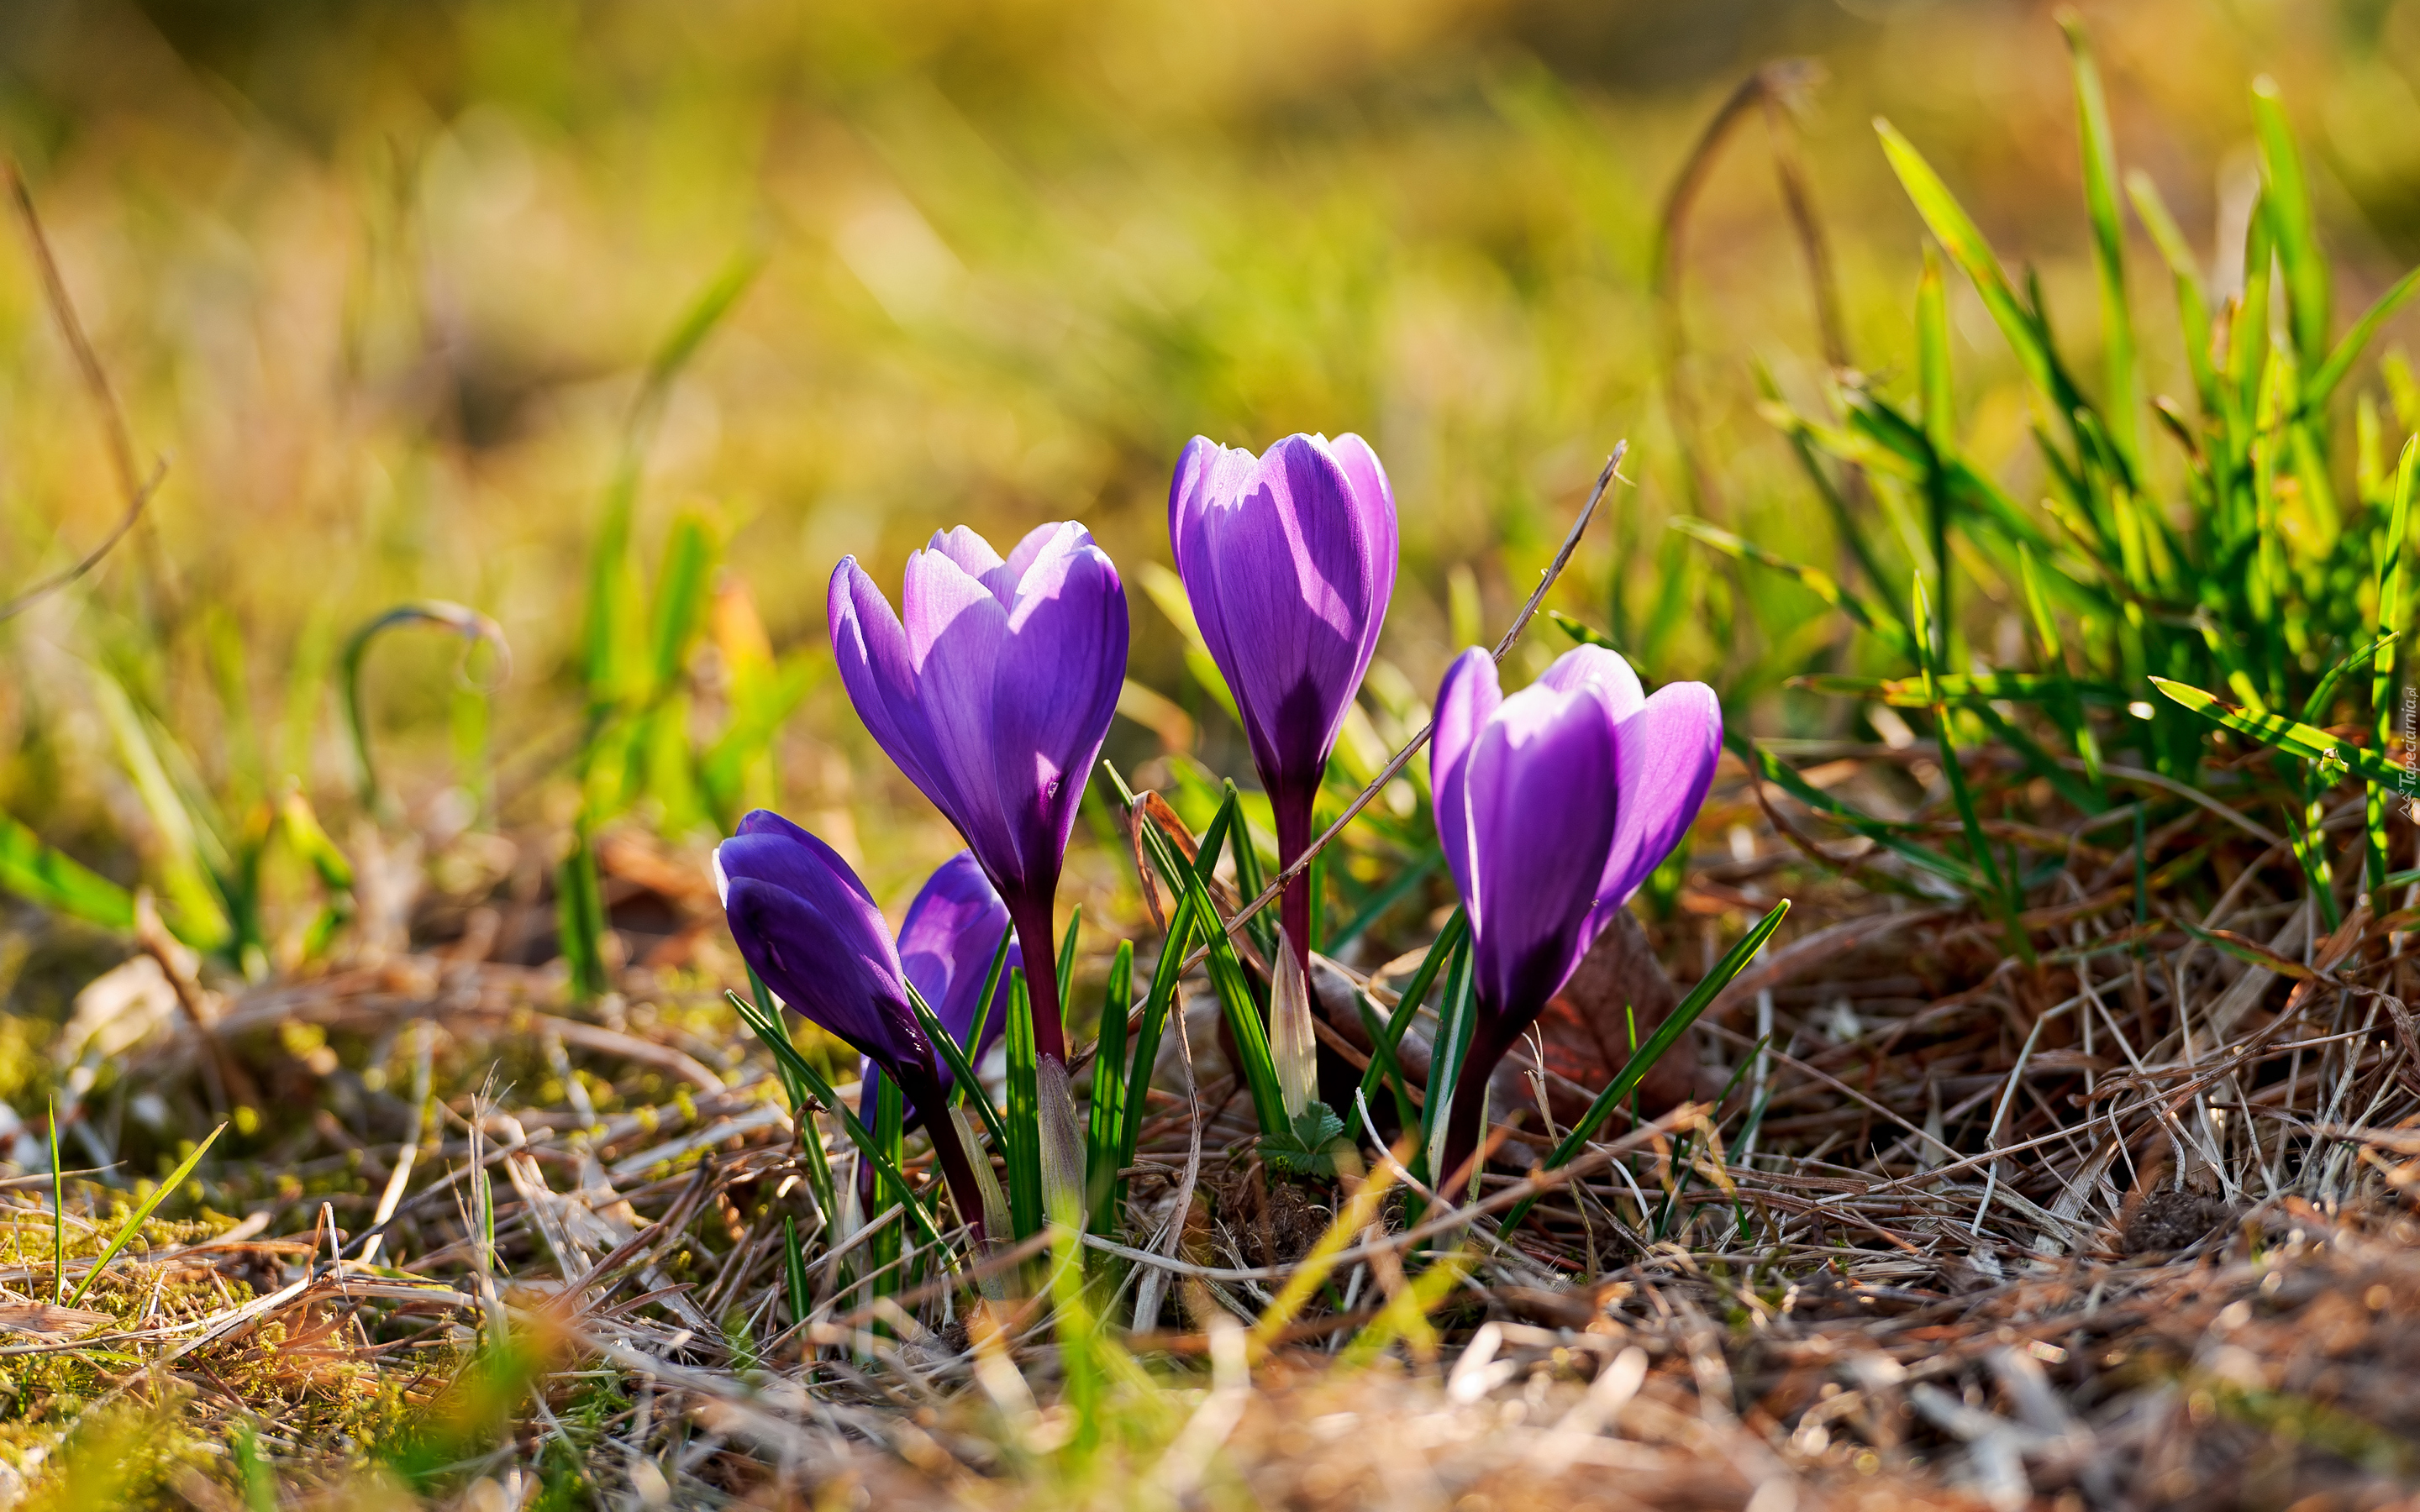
(2129, 1226)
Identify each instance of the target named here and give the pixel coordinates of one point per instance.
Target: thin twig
(136, 490)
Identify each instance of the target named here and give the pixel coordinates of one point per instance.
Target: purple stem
(1032, 916)
(1292, 811)
(958, 1166)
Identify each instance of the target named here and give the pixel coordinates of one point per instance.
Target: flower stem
(1487, 1047)
(1292, 811)
(1032, 916)
(949, 1148)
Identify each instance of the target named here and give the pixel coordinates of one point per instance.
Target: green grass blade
(58, 1213)
(1401, 885)
(1959, 237)
(2124, 400)
(2315, 708)
(2192, 302)
(51, 879)
(580, 918)
(2291, 736)
(859, 1134)
(2247, 346)
(2391, 552)
(1963, 689)
(1940, 420)
(961, 1068)
(1643, 1060)
(1067, 955)
(684, 585)
(1814, 579)
(463, 621)
(142, 1211)
(794, 1270)
(1023, 1149)
(1881, 832)
(1106, 1117)
(982, 1023)
(2323, 384)
(2053, 653)
(2290, 220)
(1407, 1007)
(1978, 845)
(766, 1023)
(1457, 1021)
(1155, 1019)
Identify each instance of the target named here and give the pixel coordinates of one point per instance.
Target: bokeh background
(378, 278)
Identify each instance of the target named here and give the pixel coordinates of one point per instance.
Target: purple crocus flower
(992, 691)
(1289, 561)
(946, 944)
(1553, 806)
(809, 928)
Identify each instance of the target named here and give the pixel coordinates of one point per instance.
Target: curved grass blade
(1881, 832)
(1814, 579)
(1959, 238)
(2193, 305)
(960, 1067)
(142, 1211)
(471, 625)
(1105, 1116)
(2381, 678)
(2291, 736)
(1441, 949)
(867, 1145)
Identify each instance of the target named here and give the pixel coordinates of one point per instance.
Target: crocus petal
(825, 971)
(1593, 666)
(946, 945)
(1055, 688)
(870, 648)
(1665, 756)
(1469, 697)
(1542, 800)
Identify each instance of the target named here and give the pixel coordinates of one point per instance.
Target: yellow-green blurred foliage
(378, 278)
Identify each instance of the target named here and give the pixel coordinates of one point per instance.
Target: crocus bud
(1289, 561)
(992, 691)
(1553, 806)
(808, 926)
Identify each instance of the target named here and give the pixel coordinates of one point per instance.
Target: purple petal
(871, 648)
(1665, 759)
(1542, 801)
(1055, 687)
(946, 946)
(1466, 700)
(973, 555)
(1592, 666)
(804, 921)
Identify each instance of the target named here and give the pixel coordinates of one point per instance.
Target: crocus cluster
(992, 686)
(1553, 806)
(1288, 560)
(807, 926)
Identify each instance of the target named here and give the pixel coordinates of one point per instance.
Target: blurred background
(380, 279)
